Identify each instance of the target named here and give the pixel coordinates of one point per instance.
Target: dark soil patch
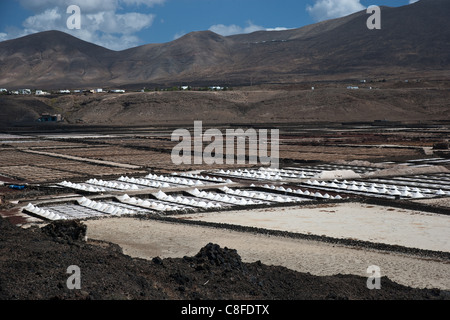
(34, 265)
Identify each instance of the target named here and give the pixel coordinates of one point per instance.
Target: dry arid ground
(298, 81)
(109, 135)
(149, 239)
(395, 100)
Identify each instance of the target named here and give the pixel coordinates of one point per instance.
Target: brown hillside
(414, 40)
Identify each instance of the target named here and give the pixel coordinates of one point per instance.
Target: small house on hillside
(24, 91)
(41, 93)
(216, 88)
(45, 117)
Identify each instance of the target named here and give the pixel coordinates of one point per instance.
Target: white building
(24, 91)
(216, 88)
(3, 90)
(41, 93)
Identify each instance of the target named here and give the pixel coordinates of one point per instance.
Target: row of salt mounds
(393, 190)
(81, 187)
(103, 207)
(174, 180)
(44, 213)
(270, 173)
(289, 173)
(113, 184)
(147, 203)
(261, 195)
(208, 178)
(285, 171)
(186, 201)
(252, 174)
(305, 193)
(225, 198)
(145, 182)
(434, 189)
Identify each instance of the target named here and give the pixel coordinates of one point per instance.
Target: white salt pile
(337, 174)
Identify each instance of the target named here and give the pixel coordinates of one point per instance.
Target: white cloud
(178, 35)
(100, 21)
(277, 29)
(412, 1)
(47, 20)
(228, 30)
(330, 9)
(225, 30)
(111, 22)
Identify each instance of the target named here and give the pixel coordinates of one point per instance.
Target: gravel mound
(71, 230)
(214, 255)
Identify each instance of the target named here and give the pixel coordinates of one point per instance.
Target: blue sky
(121, 24)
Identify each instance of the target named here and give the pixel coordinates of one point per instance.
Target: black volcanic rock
(70, 230)
(214, 255)
(34, 267)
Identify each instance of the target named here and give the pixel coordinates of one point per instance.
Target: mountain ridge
(413, 40)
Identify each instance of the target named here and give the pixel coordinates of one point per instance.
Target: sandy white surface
(148, 239)
(349, 220)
